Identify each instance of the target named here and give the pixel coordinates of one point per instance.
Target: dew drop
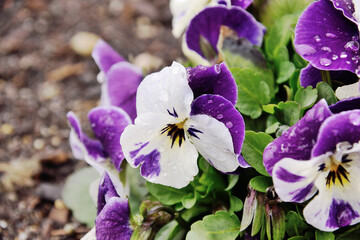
(348, 62)
(219, 116)
(221, 104)
(330, 35)
(325, 62)
(334, 57)
(354, 119)
(343, 55)
(229, 124)
(355, 38)
(352, 46)
(317, 38)
(210, 101)
(355, 59)
(305, 49)
(326, 49)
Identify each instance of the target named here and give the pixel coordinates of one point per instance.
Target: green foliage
(233, 179)
(285, 71)
(253, 91)
(219, 226)
(306, 97)
(137, 186)
(287, 113)
(76, 195)
(168, 195)
(236, 204)
(172, 230)
(320, 235)
(261, 183)
(253, 147)
(295, 226)
(325, 91)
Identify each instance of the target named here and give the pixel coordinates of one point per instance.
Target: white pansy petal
(148, 145)
(214, 142)
(294, 179)
(165, 92)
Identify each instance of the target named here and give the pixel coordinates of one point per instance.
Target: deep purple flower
(327, 35)
(112, 221)
(320, 153)
(119, 78)
(172, 127)
(206, 28)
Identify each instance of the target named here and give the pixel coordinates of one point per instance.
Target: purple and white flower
(207, 29)
(184, 10)
(320, 154)
(171, 127)
(113, 219)
(327, 35)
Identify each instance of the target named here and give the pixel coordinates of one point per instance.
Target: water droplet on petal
(219, 116)
(343, 55)
(164, 174)
(352, 46)
(325, 62)
(334, 57)
(326, 49)
(354, 119)
(330, 35)
(221, 104)
(229, 124)
(317, 38)
(355, 38)
(348, 62)
(210, 101)
(305, 49)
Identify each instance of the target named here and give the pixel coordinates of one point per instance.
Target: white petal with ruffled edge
(166, 92)
(213, 141)
(294, 179)
(144, 144)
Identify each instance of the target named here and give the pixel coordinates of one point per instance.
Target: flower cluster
(181, 149)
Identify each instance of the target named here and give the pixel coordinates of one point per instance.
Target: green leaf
(233, 179)
(288, 113)
(279, 35)
(272, 128)
(269, 108)
(252, 150)
(294, 81)
(285, 71)
(168, 195)
(171, 230)
(298, 238)
(259, 218)
(76, 195)
(261, 183)
(275, 9)
(210, 179)
(138, 188)
(253, 91)
(295, 226)
(236, 204)
(320, 235)
(325, 91)
(189, 200)
(219, 226)
(306, 97)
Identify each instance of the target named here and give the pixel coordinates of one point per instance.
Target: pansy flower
(320, 154)
(327, 35)
(118, 77)
(113, 219)
(171, 127)
(184, 10)
(206, 31)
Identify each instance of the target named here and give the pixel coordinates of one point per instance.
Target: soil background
(41, 79)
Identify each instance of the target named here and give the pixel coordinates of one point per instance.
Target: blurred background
(42, 77)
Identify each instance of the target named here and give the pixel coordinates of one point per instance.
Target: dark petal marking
(175, 133)
(339, 174)
(344, 159)
(192, 131)
(321, 167)
(287, 176)
(302, 193)
(341, 214)
(135, 152)
(174, 113)
(150, 164)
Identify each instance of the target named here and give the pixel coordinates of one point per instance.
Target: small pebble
(7, 129)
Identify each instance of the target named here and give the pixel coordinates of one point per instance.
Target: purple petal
(105, 56)
(298, 140)
(347, 7)
(341, 127)
(331, 43)
(242, 162)
(92, 147)
(223, 111)
(209, 21)
(345, 105)
(241, 3)
(213, 80)
(106, 191)
(113, 221)
(108, 123)
(311, 76)
(122, 82)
